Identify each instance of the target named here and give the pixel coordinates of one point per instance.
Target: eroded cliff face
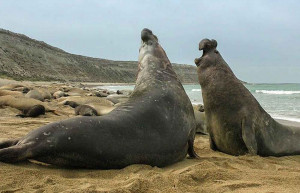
(23, 58)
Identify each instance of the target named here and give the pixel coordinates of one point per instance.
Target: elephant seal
(236, 122)
(25, 105)
(10, 86)
(156, 126)
(34, 111)
(71, 104)
(85, 110)
(59, 94)
(9, 92)
(35, 95)
(200, 119)
(45, 93)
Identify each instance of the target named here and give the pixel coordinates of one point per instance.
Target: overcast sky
(260, 40)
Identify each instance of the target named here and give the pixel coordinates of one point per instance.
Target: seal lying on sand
(34, 111)
(85, 110)
(236, 122)
(28, 106)
(156, 126)
(35, 95)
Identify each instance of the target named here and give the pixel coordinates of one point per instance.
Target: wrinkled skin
(156, 126)
(236, 122)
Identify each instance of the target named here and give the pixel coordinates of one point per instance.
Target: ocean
(281, 101)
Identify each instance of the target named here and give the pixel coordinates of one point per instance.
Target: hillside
(23, 58)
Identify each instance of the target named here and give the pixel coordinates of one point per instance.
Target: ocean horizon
(280, 100)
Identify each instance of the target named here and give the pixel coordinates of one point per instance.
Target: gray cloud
(258, 39)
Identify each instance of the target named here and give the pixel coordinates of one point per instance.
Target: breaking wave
(196, 90)
(277, 92)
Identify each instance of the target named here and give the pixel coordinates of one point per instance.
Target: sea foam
(196, 90)
(278, 92)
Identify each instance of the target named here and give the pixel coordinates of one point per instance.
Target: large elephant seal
(236, 122)
(156, 126)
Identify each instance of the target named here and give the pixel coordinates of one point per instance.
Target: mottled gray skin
(236, 122)
(156, 126)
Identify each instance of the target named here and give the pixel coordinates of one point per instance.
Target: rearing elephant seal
(156, 126)
(236, 122)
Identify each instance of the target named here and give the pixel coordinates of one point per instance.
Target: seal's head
(209, 52)
(148, 36)
(152, 56)
(149, 44)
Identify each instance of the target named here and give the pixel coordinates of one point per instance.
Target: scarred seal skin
(156, 126)
(236, 122)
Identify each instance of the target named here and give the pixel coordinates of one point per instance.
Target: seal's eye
(216, 51)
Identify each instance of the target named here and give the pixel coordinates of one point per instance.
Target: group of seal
(236, 122)
(156, 126)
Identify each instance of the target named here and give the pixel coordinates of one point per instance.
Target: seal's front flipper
(212, 144)
(8, 143)
(15, 153)
(191, 150)
(248, 135)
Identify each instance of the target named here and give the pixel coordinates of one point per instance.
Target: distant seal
(85, 110)
(71, 104)
(45, 93)
(35, 95)
(10, 86)
(236, 122)
(28, 106)
(9, 92)
(34, 111)
(81, 100)
(59, 94)
(200, 119)
(156, 126)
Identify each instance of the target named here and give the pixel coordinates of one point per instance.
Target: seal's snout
(146, 34)
(207, 44)
(197, 61)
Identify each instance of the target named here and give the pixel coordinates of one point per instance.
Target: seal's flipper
(212, 144)
(191, 150)
(248, 135)
(8, 143)
(15, 153)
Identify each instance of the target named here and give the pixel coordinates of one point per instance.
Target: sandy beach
(213, 172)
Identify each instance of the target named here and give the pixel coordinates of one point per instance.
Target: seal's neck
(154, 65)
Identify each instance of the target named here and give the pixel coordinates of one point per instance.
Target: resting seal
(35, 95)
(156, 126)
(28, 106)
(34, 111)
(236, 122)
(85, 110)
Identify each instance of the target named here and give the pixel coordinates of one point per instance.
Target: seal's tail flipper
(15, 153)
(8, 143)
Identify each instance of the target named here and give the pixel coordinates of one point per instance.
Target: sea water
(281, 101)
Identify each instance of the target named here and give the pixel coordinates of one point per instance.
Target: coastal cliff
(23, 58)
